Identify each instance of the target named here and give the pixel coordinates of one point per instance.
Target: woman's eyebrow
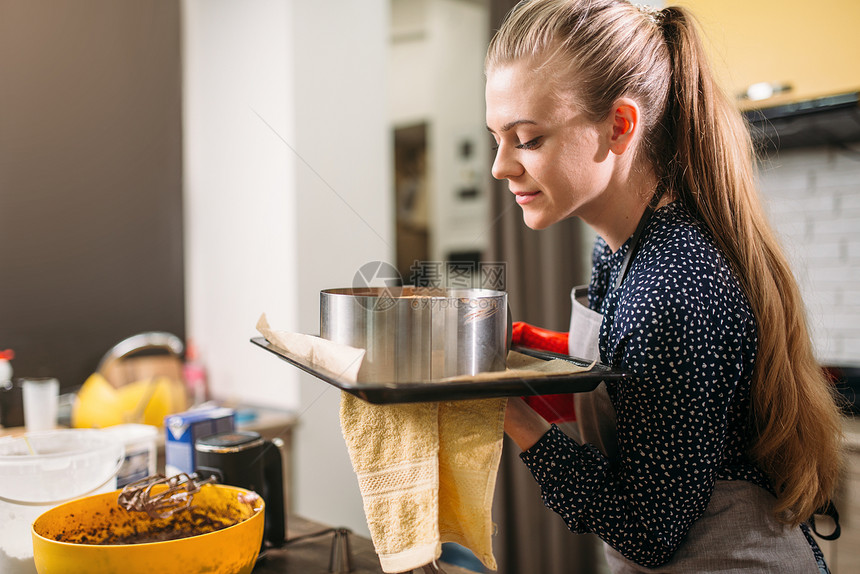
(509, 125)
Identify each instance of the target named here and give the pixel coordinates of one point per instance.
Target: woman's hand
(523, 424)
(533, 337)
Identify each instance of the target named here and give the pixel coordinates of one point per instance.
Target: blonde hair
(698, 145)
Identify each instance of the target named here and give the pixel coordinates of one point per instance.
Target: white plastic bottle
(5, 373)
(6, 368)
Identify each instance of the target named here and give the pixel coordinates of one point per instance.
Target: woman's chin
(536, 220)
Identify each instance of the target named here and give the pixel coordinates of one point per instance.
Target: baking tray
(431, 391)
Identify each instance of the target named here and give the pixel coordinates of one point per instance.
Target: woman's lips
(524, 197)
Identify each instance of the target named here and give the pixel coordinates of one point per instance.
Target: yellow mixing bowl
(80, 537)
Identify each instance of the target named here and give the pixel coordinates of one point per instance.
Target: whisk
(177, 495)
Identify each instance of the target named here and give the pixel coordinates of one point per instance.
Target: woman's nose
(505, 165)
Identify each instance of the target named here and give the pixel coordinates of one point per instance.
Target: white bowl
(51, 467)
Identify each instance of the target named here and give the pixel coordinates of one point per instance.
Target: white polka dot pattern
(682, 325)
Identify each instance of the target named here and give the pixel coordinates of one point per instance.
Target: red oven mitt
(554, 408)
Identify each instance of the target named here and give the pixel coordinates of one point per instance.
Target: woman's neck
(622, 208)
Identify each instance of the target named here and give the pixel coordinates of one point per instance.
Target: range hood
(831, 120)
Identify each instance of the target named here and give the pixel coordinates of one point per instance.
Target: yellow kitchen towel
(394, 451)
(470, 447)
(427, 472)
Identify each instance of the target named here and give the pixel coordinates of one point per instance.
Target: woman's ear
(624, 121)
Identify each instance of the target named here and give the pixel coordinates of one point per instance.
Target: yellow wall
(812, 44)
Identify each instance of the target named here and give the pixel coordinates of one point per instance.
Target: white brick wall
(813, 198)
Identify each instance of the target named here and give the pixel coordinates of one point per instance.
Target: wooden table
(312, 555)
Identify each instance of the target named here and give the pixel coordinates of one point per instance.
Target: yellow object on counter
(231, 550)
(99, 404)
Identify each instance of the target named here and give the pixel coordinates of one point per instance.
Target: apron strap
(828, 510)
(634, 245)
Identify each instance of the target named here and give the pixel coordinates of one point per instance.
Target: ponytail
(710, 168)
(698, 145)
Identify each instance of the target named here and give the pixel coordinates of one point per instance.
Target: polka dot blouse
(682, 325)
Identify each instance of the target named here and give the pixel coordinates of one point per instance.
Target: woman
(725, 442)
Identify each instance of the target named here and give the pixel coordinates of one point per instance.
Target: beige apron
(737, 532)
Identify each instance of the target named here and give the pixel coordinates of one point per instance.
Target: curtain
(541, 269)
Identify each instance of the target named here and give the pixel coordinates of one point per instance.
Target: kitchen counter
(312, 555)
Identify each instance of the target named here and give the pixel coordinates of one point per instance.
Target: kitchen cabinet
(812, 47)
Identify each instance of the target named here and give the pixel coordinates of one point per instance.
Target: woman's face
(556, 161)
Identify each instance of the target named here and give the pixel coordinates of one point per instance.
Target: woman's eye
(531, 144)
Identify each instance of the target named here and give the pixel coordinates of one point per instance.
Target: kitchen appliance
(139, 380)
(70, 539)
(161, 496)
(247, 460)
(846, 381)
(418, 334)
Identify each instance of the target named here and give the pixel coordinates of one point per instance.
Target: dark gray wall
(90, 179)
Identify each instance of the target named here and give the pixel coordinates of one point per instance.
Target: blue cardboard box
(181, 430)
